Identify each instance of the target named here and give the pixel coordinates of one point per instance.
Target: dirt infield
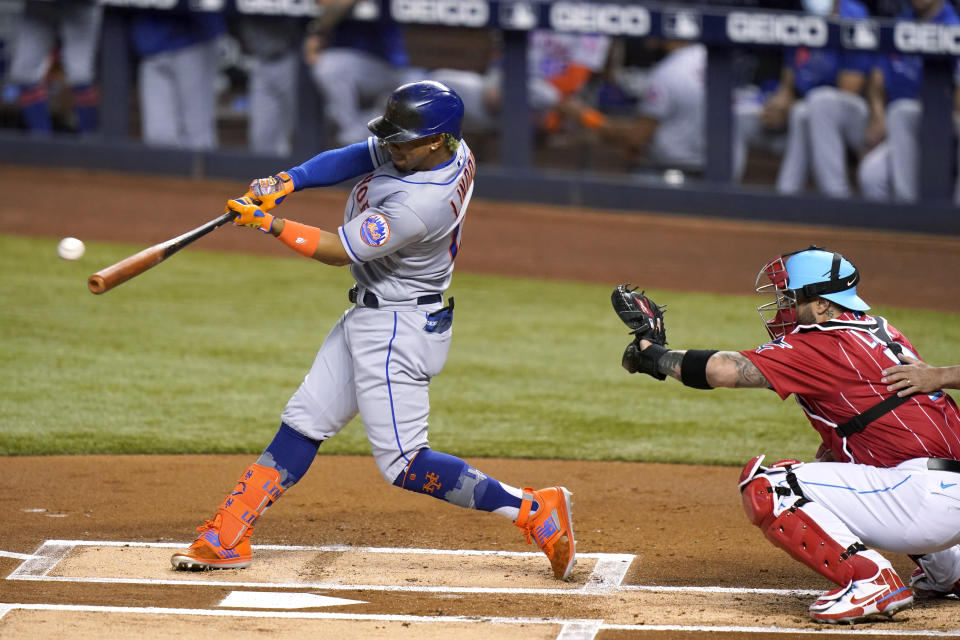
(665, 549)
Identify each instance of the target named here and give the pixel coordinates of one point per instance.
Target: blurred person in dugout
(667, 132)
(71, 28)
(891, 169)
(357, 56)
(816, 114)
(177, 72)
(273, 44)
(559, 68)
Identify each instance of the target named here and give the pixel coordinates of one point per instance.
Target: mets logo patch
(375, 231)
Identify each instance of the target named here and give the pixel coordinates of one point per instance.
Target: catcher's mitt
(640, 313)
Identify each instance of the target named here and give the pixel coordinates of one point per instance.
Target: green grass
(200, 354)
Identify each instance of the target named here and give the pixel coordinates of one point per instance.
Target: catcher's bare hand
(915, 376)
(641, 314)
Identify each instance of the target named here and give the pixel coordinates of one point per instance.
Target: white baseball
(71, 249)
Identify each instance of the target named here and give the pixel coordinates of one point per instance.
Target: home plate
(279, 600)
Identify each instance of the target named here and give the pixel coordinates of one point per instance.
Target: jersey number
(454, 242)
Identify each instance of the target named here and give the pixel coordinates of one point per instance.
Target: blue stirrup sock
(85, 101)
(35, 108)
(290, 453)
(451, 479)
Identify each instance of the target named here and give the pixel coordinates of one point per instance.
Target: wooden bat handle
(134, 265)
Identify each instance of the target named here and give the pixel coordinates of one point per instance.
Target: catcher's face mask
(804, 275)
(780, 315)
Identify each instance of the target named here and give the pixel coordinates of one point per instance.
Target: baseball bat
(132, 266)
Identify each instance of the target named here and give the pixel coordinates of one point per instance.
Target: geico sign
(927, 38)
(278, 7)
(613, 19)
(766, 28)
(458, 13)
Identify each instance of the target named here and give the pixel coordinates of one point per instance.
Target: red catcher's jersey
(835, 374)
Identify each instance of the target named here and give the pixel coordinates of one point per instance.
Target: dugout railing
(515, 177)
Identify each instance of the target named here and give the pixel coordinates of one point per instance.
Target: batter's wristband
(592, 119)
(693, 368)
(302, 238)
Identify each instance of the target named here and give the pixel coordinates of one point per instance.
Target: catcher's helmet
(806, 274)
(418, 110)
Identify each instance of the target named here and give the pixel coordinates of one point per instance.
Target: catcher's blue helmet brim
(848, 299)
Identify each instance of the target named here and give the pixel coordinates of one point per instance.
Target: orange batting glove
(269, 192)
(251, 214)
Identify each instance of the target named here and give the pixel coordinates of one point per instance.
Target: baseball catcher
(832, 356)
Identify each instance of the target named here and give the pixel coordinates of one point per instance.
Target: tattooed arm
(733, 369)
(724, 369)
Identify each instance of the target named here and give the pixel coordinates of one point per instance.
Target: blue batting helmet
(418, 110)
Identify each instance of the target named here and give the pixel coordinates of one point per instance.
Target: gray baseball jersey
(402, 231)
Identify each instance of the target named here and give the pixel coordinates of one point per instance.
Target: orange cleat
(551, 526)
(224, 542)
(207, 552)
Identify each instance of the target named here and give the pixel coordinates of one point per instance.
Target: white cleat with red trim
(882, 595)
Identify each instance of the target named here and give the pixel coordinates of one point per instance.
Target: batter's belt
(370, 299)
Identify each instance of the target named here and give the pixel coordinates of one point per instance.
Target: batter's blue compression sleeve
(291, 453)
(451, 479)
(332, 167)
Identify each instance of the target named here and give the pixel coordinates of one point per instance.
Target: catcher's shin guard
(224, 542)
(796, 532)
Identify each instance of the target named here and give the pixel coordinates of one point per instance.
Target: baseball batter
(77, 25)
(401, 233)
(888, 472)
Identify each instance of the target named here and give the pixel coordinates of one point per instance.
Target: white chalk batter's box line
(606, 577)
(569, 629)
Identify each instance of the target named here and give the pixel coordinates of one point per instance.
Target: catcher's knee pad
(757, 491)
(795, 531)
(257, 489)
